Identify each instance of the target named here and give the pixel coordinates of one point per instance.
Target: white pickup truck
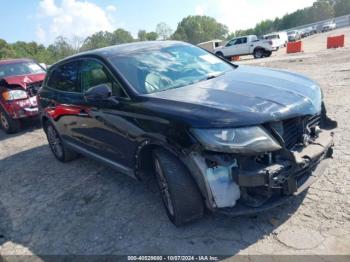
(245, 45)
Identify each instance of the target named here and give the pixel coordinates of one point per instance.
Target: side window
(232, 42)
(93, 73)
(243, 40)
(238, 41)
(65, 78)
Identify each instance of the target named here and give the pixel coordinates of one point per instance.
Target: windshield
(20, 68)
(270, 37)
(168, 68)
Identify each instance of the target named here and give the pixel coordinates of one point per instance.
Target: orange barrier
(294, 47)
(235, 58)
(335, 41)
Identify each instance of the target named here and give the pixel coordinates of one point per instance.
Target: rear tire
(9, 125)
(220, 54)
(181, 197)
(60, 151)
(267, 53)
(258, 53)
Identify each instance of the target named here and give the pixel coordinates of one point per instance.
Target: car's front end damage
(242, 183)
(18, 96)
(260, 136)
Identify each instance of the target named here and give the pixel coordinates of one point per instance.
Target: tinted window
(65, 78)
(232, 42)
(238, 41)
(93, 73)
(243, 40)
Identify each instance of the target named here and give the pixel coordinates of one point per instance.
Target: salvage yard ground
(82, 207)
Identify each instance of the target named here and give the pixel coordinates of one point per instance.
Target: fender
(148, 142)
(259, 47)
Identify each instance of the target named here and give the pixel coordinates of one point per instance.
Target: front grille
(292, 130)
(313, 121)
(32, 89)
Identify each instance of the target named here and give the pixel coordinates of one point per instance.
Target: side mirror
(98, 93)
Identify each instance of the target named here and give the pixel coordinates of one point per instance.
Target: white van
(211, 45)
(279, 39)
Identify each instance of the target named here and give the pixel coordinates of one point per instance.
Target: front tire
(10, 125)
(60, 151)
(180, 194)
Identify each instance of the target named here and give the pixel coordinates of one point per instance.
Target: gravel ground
(82, 207)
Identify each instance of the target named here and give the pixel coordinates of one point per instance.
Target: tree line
(320, 10)
(192, 29)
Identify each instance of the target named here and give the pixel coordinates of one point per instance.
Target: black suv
(234, 139)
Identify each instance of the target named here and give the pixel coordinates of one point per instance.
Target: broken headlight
(246, 140)
(14, 95)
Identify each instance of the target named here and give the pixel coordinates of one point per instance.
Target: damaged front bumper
(23, 108)
(236, 185)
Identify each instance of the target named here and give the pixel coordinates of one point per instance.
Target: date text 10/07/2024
(173, 258)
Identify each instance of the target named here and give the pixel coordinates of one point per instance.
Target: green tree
(59, 50)
(264, 27)
(196, 29)
(121, 36)
(98, 40)
(341, 7)
(30, 50)
(142, 35)
(151, 36)
(6, 50)
(320, 10)
(164, 31)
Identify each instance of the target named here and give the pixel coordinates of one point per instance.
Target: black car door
(62, 97)
(102, 127)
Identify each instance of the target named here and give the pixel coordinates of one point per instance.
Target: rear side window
(65, 78)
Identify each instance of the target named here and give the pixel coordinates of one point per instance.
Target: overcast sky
(44, 20)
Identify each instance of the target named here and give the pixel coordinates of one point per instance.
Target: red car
(20, 80)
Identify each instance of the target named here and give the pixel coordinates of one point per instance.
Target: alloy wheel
(54, 142)
(259, 54)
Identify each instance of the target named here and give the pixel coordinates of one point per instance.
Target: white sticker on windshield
(210, 59)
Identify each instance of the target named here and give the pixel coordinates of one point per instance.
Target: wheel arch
(144, 157)
(258, 47)
(144, 165)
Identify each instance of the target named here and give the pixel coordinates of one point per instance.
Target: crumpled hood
(245, 96)
(24, 80)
